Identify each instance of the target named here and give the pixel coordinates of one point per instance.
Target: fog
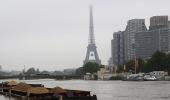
(53, 34)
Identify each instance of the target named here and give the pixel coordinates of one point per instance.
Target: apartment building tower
(133, 26)
(156, 38)
(118, 48)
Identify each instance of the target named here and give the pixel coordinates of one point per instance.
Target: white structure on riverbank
(105, 73)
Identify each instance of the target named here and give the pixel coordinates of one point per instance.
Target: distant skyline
(53, 34)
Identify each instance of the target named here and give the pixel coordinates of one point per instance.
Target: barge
(26, 91)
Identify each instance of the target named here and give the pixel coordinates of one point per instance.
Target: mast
(136, 64)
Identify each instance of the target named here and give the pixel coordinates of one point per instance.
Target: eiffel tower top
(91, 27)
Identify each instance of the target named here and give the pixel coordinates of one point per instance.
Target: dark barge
(39, 92)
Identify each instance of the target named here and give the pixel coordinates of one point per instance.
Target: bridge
(43, 76)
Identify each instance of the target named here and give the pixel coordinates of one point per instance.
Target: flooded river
(113, 90)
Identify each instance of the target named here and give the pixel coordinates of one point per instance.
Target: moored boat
(149, 78)
(39, 92)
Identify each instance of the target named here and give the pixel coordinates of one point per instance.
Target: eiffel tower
(91, 54)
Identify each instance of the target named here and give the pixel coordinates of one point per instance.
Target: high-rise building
(133, 26)
(147, 43)
(140, 42)
(157, 22)
(157, 38)
(164, 39)
(91, 54)
(118, 48)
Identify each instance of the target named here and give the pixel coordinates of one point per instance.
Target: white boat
(134, 77)
(149, 78)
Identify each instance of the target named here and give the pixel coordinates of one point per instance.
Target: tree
(130, 66)
(91, 67)
(141, 65)
(120, 69)
(31, 71)
(157, 62)
(168, 63)
(79, 71)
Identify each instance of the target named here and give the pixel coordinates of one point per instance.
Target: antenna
(91, 27)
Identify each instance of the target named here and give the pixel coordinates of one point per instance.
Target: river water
(113, 90)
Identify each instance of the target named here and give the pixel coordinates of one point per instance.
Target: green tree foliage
(90, 67)
(157, 62)
(30, 71)
(79, 71)
(120, 69)
(141, 65)
(167, 67)
(130, 66)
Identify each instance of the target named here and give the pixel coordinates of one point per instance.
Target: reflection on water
(113, 90)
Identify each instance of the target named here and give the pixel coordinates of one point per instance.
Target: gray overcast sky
(53, 34)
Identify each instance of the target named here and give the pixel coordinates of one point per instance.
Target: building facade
(118, 48)
(133, 26)
(137, 41)
(147, 43)
(158, 22)
(156, 38)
